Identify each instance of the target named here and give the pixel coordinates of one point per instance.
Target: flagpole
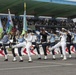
(24, 6)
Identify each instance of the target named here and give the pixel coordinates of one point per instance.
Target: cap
(63, 28)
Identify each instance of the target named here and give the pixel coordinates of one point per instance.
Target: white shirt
(28, 38)
(34, 38)
(63, 36)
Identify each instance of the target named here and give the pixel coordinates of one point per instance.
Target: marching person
(20, 39)
(36, 43)
(3, 43)
(52, 41)
(44, 34)
(27, 44)
(74, 39)
(62, 42)
(69, 42)
(57, 39)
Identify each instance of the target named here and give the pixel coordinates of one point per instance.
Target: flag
(1, 28)
(7, 26)
(9, 23)
(24, 20)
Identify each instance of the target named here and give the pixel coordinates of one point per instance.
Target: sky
(71, 0)
(59, 0)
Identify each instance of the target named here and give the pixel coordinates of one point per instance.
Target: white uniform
(34, 38)
(27, 44)
(62, 43)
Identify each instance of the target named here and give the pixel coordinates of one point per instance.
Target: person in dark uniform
(44, 34)
(69, 43)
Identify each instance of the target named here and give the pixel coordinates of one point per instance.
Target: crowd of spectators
(18, 22)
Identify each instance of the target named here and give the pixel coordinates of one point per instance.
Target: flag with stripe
(9, 23)
(24, 20)
(1, 28)
(7, 26)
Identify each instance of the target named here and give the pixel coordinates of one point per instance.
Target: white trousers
(27, 45)
(63, 45)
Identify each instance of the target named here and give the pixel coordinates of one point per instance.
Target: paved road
(38, 67)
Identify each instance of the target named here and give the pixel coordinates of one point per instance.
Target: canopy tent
(38, 8)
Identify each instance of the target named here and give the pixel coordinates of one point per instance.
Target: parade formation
(11, 36)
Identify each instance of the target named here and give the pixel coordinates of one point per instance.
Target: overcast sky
(72, 0)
